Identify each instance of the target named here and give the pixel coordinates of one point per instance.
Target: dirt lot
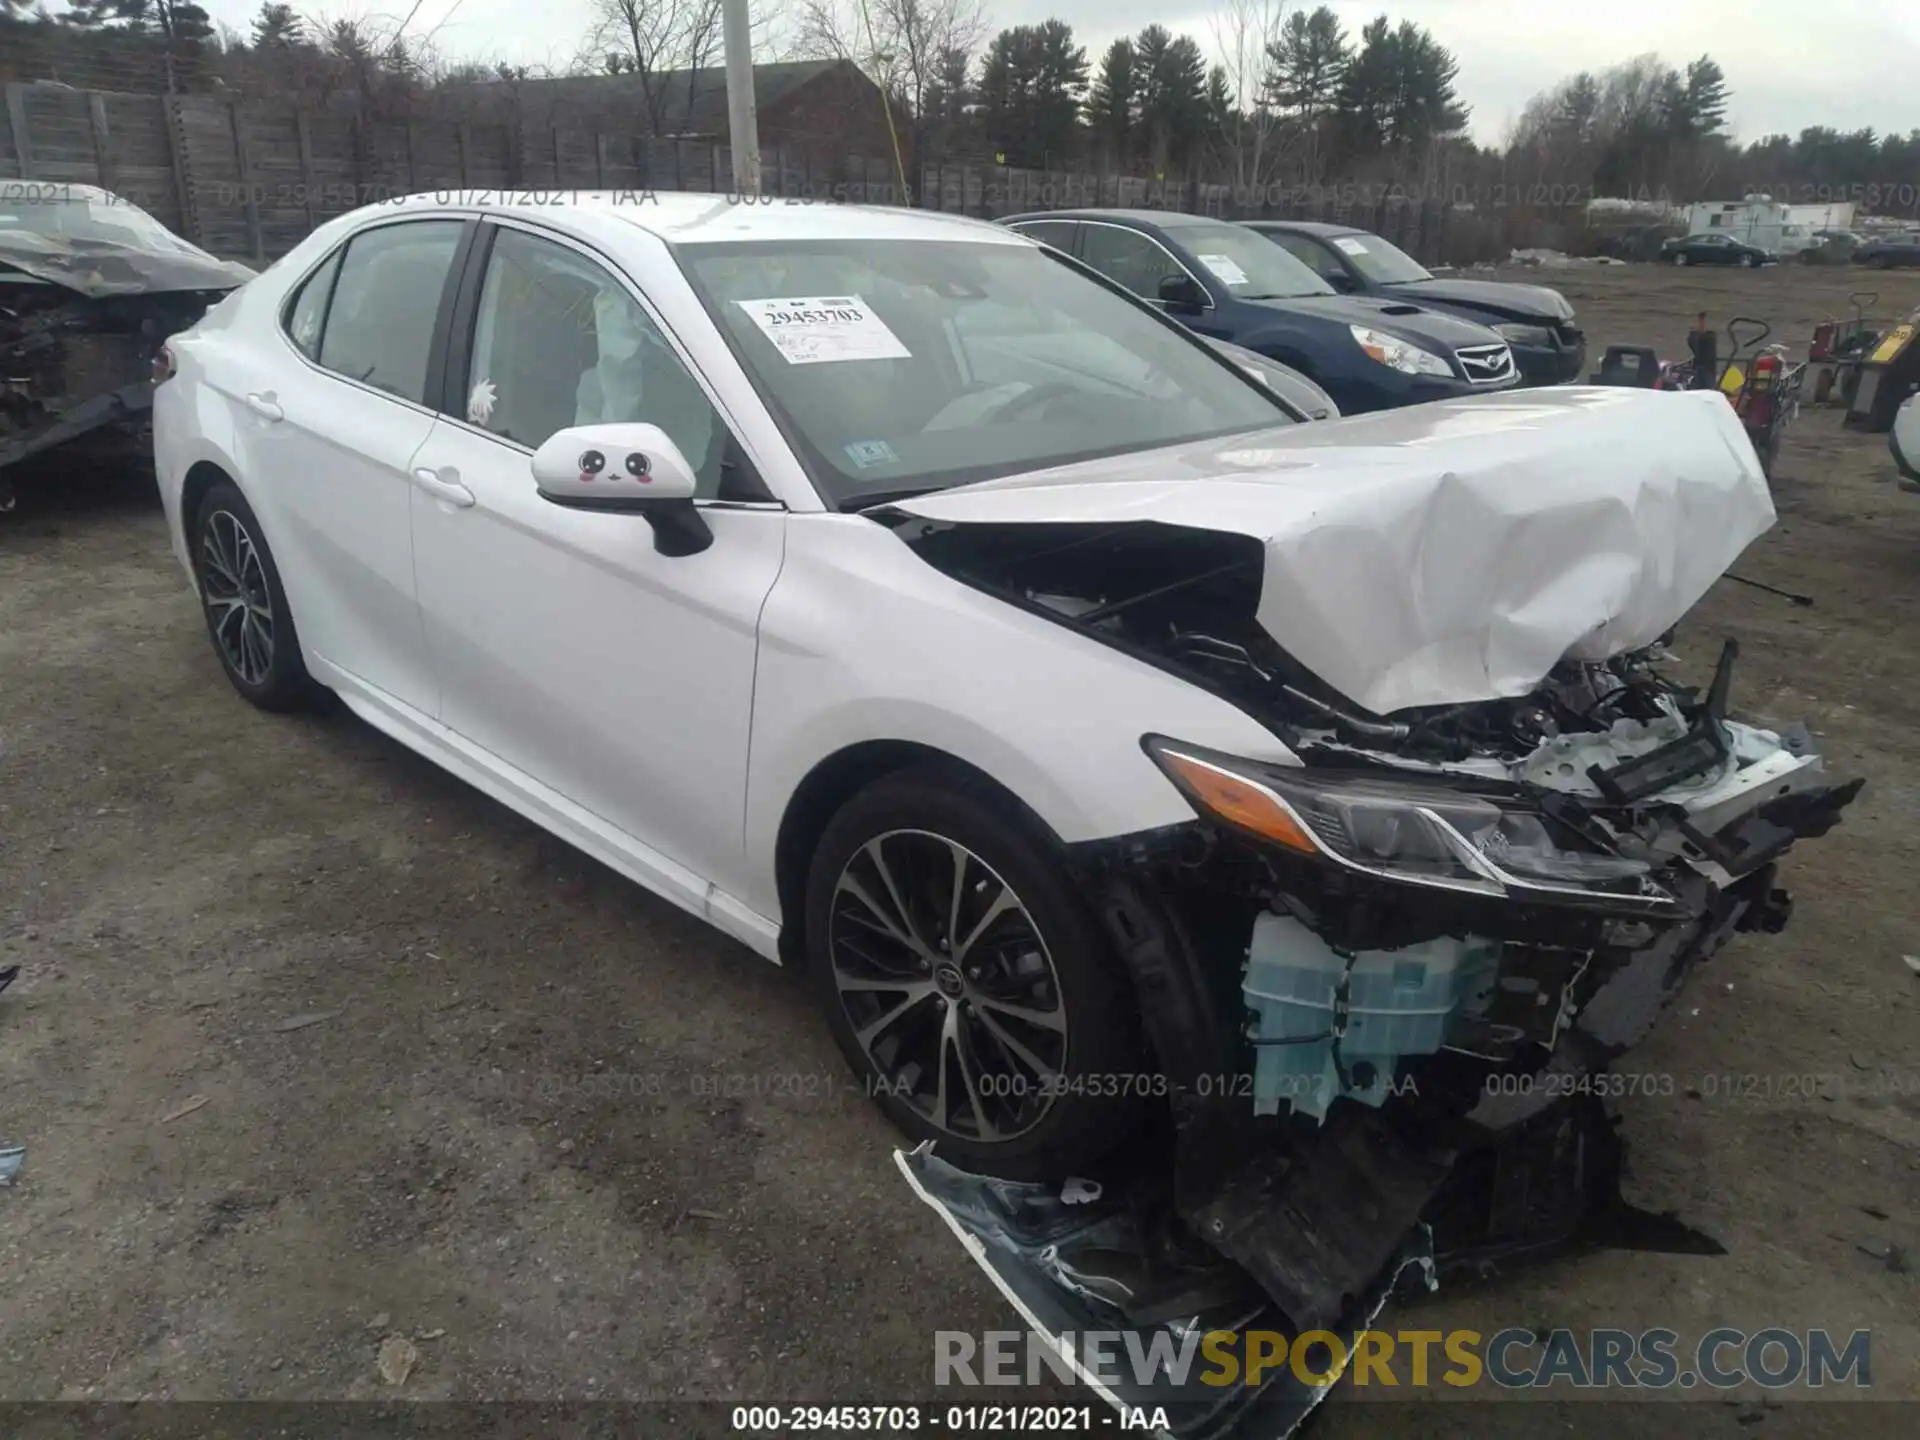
(505, 1138)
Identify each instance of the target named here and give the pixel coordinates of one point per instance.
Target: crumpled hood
(1447, 552)
(98, 268)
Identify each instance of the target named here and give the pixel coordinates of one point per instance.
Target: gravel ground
(574, 1145)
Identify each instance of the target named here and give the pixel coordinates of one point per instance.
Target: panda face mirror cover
(616, 467)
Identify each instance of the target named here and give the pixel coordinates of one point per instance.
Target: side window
(558, 341)
(1057, 233)
(379, 328)
(1312, 253)
(309, 309)
(1130, 258)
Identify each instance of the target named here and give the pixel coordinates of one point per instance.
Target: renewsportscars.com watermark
(1512, 1359)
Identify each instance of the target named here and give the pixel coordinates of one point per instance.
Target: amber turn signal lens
(162, 365)
(1238, 801)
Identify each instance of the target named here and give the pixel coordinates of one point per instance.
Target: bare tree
(1252, 135)
(902, 44)
(644, 39)
(652, 39)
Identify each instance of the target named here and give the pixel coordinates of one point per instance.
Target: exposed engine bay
(1385, 985)
(90, 289)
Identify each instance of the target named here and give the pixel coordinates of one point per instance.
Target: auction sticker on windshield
(818, 329)
(1229, 273)
(1350, 245)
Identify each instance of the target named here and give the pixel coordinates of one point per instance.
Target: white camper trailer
(1771, 224)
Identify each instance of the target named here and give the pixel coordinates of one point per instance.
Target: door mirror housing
(625, 469)
(1182, 292)
(1343, 282)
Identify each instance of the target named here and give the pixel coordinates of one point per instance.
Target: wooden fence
(249, 180)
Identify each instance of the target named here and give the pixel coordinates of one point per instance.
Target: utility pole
(743, 123)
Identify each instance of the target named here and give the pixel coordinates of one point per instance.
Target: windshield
(63, 212)
(899, 366)
(1251, 266)
(1379, 262)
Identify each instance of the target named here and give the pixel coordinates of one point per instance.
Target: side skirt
(552, 811)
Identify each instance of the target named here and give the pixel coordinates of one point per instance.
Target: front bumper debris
(1418, 1082)
(1072, 1273)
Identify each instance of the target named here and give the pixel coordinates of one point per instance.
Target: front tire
(966, 982)
(1679, 259)
(1753, 262)
(248, 618)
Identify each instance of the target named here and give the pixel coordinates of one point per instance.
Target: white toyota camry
(919, 607)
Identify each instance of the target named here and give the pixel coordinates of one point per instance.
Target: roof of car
(1307, 227)
(1165, 219)
(695, 219)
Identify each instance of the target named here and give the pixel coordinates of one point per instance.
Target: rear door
(330, 421)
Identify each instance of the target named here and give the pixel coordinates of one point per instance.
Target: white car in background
(918, 609)
(1904, 442)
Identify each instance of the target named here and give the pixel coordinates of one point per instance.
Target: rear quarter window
(306, 314)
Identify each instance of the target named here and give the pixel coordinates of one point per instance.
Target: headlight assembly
(1411, 831)
(1398, 354)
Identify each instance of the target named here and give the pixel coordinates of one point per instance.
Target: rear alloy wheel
(966, 982)
(248, 618)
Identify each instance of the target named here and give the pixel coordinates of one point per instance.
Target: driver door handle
(444, 485)
(265, 406)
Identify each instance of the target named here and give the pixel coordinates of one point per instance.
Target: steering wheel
(1032, 399)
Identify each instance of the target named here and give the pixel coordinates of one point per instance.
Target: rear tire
(248, 618)
(994, 1021)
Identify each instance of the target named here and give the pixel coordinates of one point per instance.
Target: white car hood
(1447, 552)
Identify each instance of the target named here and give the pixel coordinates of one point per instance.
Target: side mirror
(1182, 292)
(1343, 282)
(625, 469)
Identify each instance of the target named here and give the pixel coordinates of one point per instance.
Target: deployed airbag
(1448, 552)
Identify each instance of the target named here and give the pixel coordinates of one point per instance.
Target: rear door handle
(444, 485)
(265, 406)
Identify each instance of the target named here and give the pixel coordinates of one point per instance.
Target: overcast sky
(1789, 63)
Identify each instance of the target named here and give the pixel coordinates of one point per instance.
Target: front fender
(863, 641)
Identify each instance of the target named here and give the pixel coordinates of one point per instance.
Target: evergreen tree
(1113, 109)
(278, 27)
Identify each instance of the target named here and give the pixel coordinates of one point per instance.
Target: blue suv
(1227, 283)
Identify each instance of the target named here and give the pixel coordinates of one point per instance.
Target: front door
(567, 646)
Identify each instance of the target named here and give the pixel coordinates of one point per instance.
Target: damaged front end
(1384, 984)
(90, 289)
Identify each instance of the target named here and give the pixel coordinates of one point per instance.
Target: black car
(1537, 322)
(1708, 248)
(1887, 251)
(1286, 382)
(1227, 283)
